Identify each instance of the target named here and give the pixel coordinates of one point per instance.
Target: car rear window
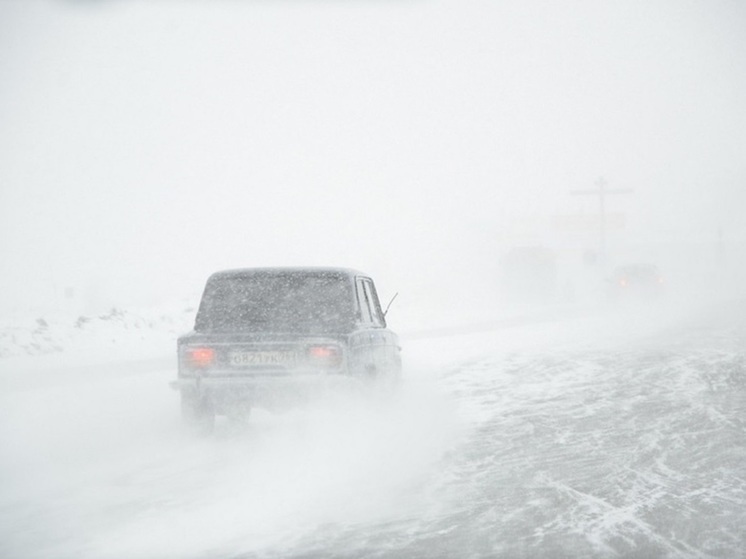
(277, 302)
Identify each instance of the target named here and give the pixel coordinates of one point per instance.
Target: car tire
(240, 415)
(197, 414)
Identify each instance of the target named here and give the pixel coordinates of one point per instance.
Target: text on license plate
(256, 358)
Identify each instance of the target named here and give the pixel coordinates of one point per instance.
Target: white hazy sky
(145, 144)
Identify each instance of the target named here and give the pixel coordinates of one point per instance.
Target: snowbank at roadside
(117, 332)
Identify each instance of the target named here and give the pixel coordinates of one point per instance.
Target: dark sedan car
(636, 281)
(274, 336)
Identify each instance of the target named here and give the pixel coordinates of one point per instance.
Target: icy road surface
(621, 435)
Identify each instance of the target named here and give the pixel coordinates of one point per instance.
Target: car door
(375, 348)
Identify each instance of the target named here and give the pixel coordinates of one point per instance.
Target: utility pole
(601, 192)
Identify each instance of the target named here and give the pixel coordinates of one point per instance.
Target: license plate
(262, 358)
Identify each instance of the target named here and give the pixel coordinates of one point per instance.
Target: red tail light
(327, 355)
(200, 356)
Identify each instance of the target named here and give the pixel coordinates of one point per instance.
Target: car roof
(288, 270)
(636, 269)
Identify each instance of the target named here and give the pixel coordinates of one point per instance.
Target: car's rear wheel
(197, 413)
(238, 414)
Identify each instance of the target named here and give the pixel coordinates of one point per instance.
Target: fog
(456, 152)
(146, 144)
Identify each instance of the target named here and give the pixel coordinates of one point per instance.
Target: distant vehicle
(274, 336)
(642, 281)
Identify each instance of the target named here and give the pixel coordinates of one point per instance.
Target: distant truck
(274, 336)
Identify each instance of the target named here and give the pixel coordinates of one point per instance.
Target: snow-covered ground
(75, 338)
(583, 434)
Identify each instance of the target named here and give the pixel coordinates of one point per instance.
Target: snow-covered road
(607, 435)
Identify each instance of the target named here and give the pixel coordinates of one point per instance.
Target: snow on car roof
(284, 270)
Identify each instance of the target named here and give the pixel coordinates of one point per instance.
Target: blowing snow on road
(614, 435)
